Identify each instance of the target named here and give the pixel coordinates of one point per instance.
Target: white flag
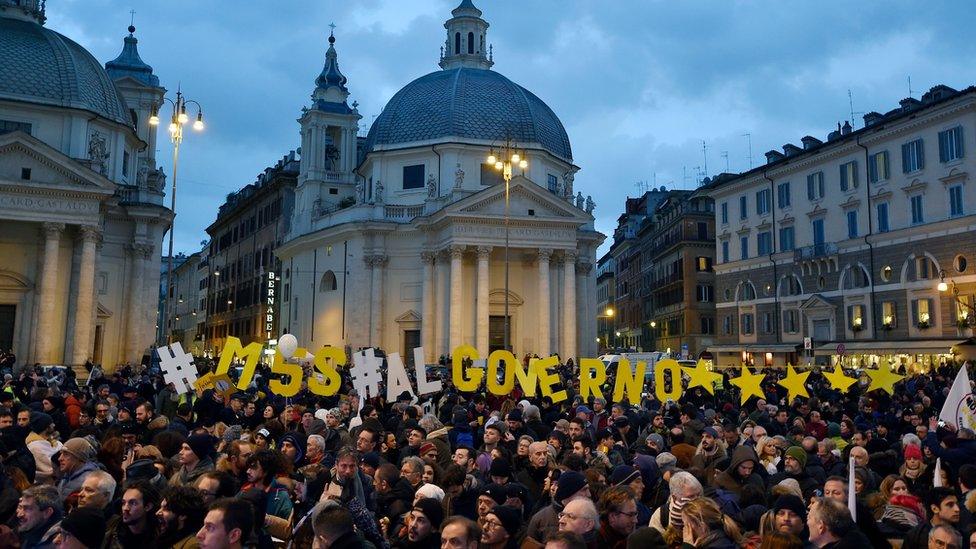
(851, 493)
(937, 477)
(960, 405)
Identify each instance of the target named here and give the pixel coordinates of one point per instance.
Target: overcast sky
(638, 85)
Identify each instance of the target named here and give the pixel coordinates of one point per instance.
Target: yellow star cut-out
(883, 378)
(794, 383)
(838, 380)
(749, 384)
(701, 376)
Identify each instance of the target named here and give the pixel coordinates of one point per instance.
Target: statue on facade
(331, 158)
(590, 205)
(568, 184)
(360, 197)
(579, 200)
(431, 186)
(142, 174)
(98, 153)
(378, 192)
(458, 177)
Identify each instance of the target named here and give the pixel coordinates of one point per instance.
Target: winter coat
(729, 478)
(396, 502)
(73, 481)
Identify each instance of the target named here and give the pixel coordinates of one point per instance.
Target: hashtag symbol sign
(177, 366)
(365, 373)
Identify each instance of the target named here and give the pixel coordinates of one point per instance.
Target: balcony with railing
(806, 253)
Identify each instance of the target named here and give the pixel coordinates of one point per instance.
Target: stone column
(376, 264)
(457, 252)
(84, 296)
(134, 343)
(545, 340)
(47, 290)
(481, 322)
(428, 326)
(585, 334)
(569, 306)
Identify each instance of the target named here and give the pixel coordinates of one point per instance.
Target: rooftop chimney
(846, 129)
(872, 118)
(773, 156)
(790, 149)
(810, 142)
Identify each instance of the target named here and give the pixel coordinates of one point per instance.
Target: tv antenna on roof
(909, 85)
(850, 100)
(705, 157)
(748, 136)
(725, 155)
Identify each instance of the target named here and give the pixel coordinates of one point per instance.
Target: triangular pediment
(103, 311)
(816, 301)
(523, 197)
(48, 167)
(409, 316)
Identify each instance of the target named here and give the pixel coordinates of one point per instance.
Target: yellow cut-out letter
(547, 379)
(233, 349)
(327, 359)
(511, 365)
(285, 368)
(629, 382)
(457, 369)
(590, 385)
(662, 367)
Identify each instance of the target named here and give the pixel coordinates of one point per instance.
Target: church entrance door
(411, 340)
(496, 332)
(8, 313)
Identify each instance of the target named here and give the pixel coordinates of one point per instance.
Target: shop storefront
(777, 355)
(914, 356)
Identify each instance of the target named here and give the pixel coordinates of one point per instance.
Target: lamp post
(607, 317)
(968, 315)
(507, 159)
(176, 123)
(653, 325)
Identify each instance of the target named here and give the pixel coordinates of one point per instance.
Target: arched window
(790, 286)
(470, 42)
(748, 292)
(457, 43)
(328, 282)
(856, 277)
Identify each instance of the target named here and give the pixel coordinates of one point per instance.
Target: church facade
(81, 199)
(399, 240)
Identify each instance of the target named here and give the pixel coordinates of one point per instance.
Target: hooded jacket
(397, 501)
(730, 480)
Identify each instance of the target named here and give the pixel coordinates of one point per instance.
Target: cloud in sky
(637, 84)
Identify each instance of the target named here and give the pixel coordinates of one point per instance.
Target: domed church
(81, 199)
(399, 240)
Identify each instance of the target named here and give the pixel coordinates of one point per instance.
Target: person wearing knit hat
(491, 496)
(42, 445)
(500, 471)
(426, 518)
(913, 452)
(85, 525)
(429, 490)
(571, 485)
(501, 526)
(76, 461)
(790, 515)
(195, 459)
(623, 475)
(798, 454)
(293, 446)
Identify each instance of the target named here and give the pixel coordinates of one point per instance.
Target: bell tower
(466, 44)
(329, 152)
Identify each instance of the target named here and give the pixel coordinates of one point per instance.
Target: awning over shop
(756, 348)
(912, 347)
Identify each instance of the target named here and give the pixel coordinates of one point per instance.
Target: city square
(507, 276)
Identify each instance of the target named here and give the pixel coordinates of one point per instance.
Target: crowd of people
(123, 460)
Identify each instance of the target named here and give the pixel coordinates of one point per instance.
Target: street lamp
(653, 326)
(176, 122)
(965, 316)
(508, 158)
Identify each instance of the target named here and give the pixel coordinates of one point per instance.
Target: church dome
(39, 65)
(468, 103)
